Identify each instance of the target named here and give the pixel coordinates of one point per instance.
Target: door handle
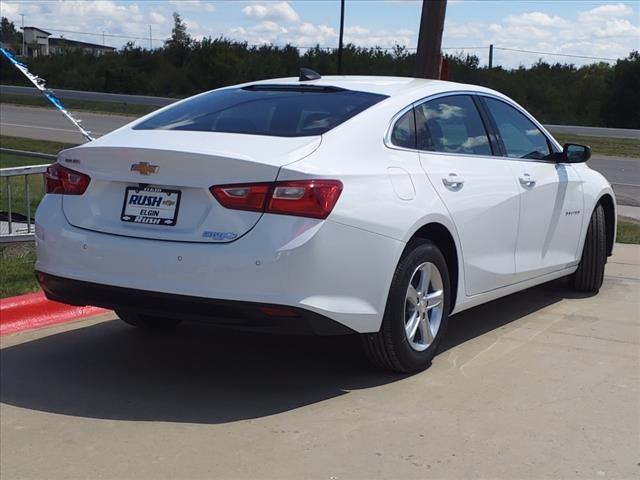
(453, 181)
(526, 180)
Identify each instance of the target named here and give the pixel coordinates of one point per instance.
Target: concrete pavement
(541, 384)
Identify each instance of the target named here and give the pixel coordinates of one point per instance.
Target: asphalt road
(541, 384)
(623, 173)
(48, 124)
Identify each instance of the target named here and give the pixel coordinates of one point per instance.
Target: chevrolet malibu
(372, 205)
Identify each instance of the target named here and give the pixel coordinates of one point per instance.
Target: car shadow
(201, 374)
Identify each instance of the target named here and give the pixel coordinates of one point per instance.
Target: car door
(477, 188)
(551, 198)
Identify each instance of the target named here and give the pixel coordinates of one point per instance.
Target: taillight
(62, 180)
(242, 197)
(302, 198)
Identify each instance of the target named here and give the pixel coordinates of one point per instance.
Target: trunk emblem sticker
(219, 235)
(144, 168)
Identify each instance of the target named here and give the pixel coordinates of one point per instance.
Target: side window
(520, 136)
(452, 125)
(404, 131)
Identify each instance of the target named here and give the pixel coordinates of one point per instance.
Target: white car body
(506, 235)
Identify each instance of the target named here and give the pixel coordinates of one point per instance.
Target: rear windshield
(283, 111)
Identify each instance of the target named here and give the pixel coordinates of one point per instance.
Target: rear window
(273, 110)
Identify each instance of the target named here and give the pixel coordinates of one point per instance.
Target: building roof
(65, 42)
(38, 29)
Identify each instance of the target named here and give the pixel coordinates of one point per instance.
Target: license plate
(150, 206)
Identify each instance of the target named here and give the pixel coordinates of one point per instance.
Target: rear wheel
(416, 314)
(590, 273)
(146, 321)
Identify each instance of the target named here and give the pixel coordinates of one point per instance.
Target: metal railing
(15, 227)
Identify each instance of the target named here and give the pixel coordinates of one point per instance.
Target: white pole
(23, 52)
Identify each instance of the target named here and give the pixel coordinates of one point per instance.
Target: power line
(556, 54)
(301, 47)
(104, 34)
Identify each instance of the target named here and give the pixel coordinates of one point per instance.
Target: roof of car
(383, 85)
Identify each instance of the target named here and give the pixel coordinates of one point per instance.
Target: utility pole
(340, 44)
(103, 38)
(428, 57)
(490, 56)
(150, 39)
(23, 52)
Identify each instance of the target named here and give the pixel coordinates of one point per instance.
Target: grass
(17, 269)
(32, 145)
(128, 109)
(17, 183)
(623, 147)
(18, 189)
(628, 230)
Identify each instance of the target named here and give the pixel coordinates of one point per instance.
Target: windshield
(274, 110)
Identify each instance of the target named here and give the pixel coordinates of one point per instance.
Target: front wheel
(416, 314)
(146, 321)
(590, 273)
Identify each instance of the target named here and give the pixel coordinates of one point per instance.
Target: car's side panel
(485, 210)
(551, 217)
(384, 190)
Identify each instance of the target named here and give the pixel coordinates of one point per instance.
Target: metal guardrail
(16, 227)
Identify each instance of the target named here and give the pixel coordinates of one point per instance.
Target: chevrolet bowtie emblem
(144, 168)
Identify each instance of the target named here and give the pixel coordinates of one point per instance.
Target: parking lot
(541, 384)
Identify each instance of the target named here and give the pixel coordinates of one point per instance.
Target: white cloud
(192, 5)
(92, 17)
(538, 19)
(280, 11)
(606, 11)
(157, 18)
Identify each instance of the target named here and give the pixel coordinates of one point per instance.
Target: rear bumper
(336, 271)
(236, 314)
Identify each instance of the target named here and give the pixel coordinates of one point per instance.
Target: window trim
(415, 127)
(389, 144)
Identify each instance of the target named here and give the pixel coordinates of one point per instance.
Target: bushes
(597, 94)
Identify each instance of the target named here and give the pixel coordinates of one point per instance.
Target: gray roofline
(39, 29)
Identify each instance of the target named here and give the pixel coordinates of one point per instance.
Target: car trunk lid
(155, 184)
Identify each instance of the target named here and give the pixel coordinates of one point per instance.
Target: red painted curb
(33, 310)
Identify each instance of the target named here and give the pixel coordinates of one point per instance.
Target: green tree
(623, 106)
(179, 45)
(9, 35)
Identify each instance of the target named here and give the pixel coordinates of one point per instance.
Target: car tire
(590, 273)
(147, 322)
(392, 347)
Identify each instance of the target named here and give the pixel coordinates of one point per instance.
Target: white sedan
(372, 205)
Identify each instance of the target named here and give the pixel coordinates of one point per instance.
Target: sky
(607, 30)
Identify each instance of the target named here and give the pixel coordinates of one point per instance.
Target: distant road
(594, 131)
(48, 124)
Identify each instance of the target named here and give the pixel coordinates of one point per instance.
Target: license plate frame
(163, 214)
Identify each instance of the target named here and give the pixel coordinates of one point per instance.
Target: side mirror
(575, 153)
